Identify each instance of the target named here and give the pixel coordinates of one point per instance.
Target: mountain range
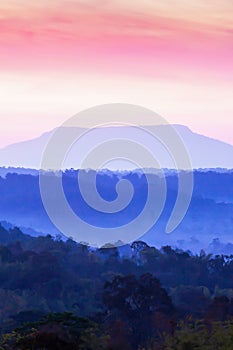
(208, 220)
(204, 152)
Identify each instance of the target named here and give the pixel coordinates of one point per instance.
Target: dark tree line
(63, 295)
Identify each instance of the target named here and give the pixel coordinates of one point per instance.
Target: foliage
(201, 335)
(60, 331)
(60, 293)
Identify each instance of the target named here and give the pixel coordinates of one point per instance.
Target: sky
(58, 57)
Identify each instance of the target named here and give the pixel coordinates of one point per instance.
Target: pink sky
(58, 57)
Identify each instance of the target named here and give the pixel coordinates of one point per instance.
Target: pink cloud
(116, 42)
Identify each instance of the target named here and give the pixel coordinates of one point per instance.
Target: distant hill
(27, 231)
(208, 220)
(204, 152)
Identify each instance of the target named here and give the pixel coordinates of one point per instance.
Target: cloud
(158, 37)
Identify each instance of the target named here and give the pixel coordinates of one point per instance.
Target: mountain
(204, 152)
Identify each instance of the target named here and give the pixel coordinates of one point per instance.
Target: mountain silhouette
(204, 152)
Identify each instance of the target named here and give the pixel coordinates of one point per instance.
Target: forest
(207, 223)
(59, 294)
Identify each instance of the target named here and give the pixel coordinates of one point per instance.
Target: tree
(59, 331)
(138, 302)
